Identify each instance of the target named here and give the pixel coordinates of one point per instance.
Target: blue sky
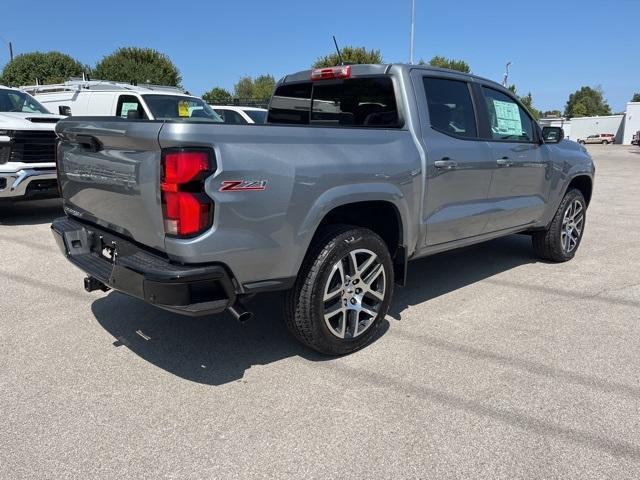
(555, 46)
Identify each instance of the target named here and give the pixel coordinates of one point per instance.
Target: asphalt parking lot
(492, 365)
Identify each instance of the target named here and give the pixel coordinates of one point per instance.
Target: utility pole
(505, 80)
(10, 52)
(413, 30)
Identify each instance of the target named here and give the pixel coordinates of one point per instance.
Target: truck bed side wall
(264, 234)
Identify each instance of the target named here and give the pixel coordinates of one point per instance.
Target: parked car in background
(636, 138)
(115, 99)
(27, 147)
(239, 115)
(328, 201)
(603, 138)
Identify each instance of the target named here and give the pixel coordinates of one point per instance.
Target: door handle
(445, 164)
(504, 162)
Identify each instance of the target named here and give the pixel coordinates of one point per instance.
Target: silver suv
(603, 138)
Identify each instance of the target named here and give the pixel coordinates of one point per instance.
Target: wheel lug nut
(353, 301)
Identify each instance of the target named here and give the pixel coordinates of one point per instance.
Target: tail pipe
(238, 312)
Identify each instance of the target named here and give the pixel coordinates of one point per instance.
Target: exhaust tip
(238, 312)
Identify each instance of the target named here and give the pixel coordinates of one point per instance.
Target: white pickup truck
(27, 147)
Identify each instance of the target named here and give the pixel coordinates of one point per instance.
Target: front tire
(343, 290)
(605, 142)
(560, 241)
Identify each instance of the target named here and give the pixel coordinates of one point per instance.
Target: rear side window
(450, 107)
(508, 121)
(355, 102)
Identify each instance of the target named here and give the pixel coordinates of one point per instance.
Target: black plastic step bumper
(124, 266)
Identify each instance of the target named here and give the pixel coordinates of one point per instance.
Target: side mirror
(552, 134)
(64, 110)
(133, 115)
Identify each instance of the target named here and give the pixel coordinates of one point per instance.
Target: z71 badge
(243, 185)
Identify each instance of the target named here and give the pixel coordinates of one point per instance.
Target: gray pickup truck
(359, 169)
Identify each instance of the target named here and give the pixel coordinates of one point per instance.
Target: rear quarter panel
(264, 235)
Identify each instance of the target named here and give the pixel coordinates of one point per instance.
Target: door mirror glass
(64, 110)
(133, 115)
(552, 134)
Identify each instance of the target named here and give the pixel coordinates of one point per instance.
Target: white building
(631, 122)
(582, 127)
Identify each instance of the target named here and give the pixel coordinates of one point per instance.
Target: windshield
(258, 116)
(16, 101)
(177, 107)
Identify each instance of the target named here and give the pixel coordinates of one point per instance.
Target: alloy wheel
(572, 226)
(354, 293)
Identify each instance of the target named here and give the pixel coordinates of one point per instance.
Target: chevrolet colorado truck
(27, 147)
(358, 170)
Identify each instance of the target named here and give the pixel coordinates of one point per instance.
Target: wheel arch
(380, 207)
(582, 182)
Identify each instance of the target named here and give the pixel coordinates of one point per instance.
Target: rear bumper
(29, 182)
(126, 267)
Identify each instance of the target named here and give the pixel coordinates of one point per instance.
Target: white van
(104, 98)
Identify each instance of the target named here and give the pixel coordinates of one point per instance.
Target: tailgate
(109, 174)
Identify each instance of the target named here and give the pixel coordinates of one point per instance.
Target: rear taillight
(186, 208)
(331, 72)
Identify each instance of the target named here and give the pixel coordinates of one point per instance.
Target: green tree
(444, 62)
(552, 113)
(244, 88)
(46, 67)
(263, 86)
(216, 95)
(527, 101)
(350, 55)
(142, 65)
(636, 97)
(587, 102)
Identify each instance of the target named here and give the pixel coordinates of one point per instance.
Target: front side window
(178, 107)
(16, 101)
(450, 107)
(508, 121)
(127, 103)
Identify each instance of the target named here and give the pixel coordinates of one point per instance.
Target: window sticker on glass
(126, 106)
(508, 121)
(183, 109)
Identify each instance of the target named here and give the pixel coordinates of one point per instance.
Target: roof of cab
(381, 69)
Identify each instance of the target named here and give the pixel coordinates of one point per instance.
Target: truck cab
(27, 146)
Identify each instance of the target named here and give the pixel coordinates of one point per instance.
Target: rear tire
(342, 292)
(560, 241)
(605, 142)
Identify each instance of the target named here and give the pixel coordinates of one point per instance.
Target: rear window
(355, 102)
